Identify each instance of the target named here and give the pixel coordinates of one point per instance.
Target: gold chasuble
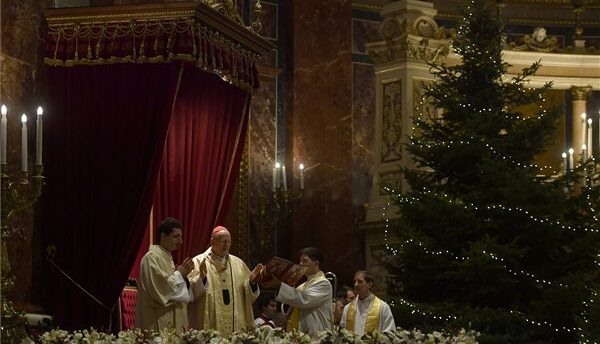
(227, 304)
(372, 322)
(156, 286)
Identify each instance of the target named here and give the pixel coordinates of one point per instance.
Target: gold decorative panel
(391, 138)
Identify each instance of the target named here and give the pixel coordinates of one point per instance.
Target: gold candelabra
(19, 192)
(274, 208)
(282, 195)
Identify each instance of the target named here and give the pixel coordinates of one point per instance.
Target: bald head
(220, 241)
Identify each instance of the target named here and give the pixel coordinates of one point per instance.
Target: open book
(286, 271)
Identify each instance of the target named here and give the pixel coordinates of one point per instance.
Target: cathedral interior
(334, 85)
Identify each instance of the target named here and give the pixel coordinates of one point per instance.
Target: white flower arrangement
(262, 335)
(339, 336)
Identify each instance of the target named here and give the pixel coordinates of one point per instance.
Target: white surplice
(361, 309)
(162, 292)
(313, 299)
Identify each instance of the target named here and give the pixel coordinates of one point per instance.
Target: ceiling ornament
(537, 41)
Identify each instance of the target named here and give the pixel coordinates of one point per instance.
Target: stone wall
(21, 91)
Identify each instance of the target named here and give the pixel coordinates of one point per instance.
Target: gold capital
(580, 93)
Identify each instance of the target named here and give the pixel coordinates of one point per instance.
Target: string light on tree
(479, 214)
(505, 209)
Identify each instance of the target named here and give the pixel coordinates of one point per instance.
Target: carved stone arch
(392, 27)
(425, 26)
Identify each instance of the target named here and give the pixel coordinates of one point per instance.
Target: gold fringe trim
(210, 50)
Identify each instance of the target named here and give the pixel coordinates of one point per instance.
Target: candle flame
(564, 155)
(301, 166)
(40, 111)
(4, 110)
(277, 165)
(571, 151)
(24, 118)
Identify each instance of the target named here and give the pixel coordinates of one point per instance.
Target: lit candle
(274, 177)
(589, 138)
(583, 117)
(301, 176)
(24, 143)
(275, 126)
(284, 177)
(564, 156)
(277, 167)
(39, 129)
(571, 151)
(583, 153)
(4, 111)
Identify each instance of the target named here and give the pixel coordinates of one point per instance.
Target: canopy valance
(153, 33)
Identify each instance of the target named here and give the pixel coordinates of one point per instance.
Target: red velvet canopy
(147, 108)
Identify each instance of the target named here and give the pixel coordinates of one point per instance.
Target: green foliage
(487, 242)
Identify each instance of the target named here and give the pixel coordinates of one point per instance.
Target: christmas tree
(489, 240)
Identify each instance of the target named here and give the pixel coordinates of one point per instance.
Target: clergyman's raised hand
(186, 266)
(256, 272)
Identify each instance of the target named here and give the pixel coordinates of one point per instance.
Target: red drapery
(201, 159)
(106, 135)
(105, 132)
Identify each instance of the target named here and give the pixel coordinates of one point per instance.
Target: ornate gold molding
(152, 33)
(391, 126)
(549, 2)
(364, 5)
(227, 8)
(420, 40)
(424, 52)
(367, 7)
(580, 93)
(537, 41)
(267, 73)
(525, 21)
(243, 201)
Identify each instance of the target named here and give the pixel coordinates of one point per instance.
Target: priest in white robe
(367, 313)
(163, 289)
(227, 304)
(311, 301)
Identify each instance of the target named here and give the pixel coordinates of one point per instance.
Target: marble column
(319, 134)
(579, 124)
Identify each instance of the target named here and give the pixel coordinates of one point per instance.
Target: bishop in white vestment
(227, 304)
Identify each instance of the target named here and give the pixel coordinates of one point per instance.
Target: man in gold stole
(311, 301)
(163, 289)
(227, 304)
(367, 313)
